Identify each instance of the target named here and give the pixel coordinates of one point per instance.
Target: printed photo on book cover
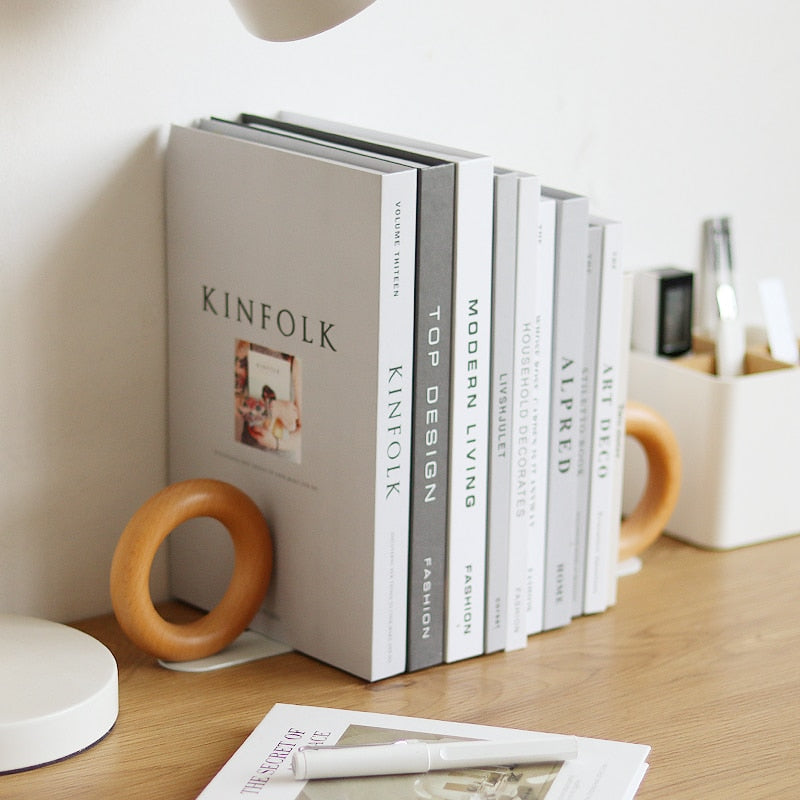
(267, 394)
(529, 782)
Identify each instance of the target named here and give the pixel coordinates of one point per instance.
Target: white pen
(413, 755)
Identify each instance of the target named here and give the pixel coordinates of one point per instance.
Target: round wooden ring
(647, 520)
(137, 547)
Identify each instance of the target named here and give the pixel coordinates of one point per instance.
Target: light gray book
(572, 226)
(291, 298)
(586, 405)
(469, 386)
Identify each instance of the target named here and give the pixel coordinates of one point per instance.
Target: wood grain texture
(647, 520)
(698, 659)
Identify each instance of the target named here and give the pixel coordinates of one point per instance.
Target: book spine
(504, 288)
(604, 426)
(466, 559)
(572, 222)
(583, 466)
(393, 439)
(619, 442)
(523, 430)
(542, 359)
(430, 439)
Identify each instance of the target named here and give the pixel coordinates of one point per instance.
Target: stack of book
(411, 359)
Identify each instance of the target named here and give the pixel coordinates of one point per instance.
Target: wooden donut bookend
(646, 522)
(137, 547)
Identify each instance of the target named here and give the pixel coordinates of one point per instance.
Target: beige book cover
(291, 289)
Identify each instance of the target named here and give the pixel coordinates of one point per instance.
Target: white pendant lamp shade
(287, 20)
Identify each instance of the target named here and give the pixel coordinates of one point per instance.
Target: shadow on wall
(91, 395)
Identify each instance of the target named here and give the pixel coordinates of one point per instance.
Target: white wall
(664, 112)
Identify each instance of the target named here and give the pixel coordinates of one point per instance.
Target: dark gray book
(431, 408)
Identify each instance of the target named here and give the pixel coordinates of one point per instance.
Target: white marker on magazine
(412, 756)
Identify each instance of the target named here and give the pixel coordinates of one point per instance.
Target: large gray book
(430, 445)
(291, 300)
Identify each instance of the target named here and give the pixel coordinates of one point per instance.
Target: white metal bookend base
(629, 567)
(248, 646)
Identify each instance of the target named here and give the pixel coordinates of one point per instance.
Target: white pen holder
(739, 439)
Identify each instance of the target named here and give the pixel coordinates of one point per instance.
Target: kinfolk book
(291, 298)
(262, 766)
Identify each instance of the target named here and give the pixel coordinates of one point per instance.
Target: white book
(600, 520)
(619, 442)
(523, 439)
(591, 320)
(262, 766)
(542, 361)
(572, 226)
(290, 286)
(470, 384)
(501, 619)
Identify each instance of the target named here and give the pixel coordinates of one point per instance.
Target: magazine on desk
(261, 767)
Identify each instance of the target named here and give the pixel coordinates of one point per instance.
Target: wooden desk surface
(700, 659)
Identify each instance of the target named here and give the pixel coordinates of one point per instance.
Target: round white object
(58, 692)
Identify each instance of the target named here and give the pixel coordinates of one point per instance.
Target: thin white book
(525, 191)
(470, 383)
(290, 377)
(430, 440)
(572, 226)
(591, 321)
(619, 442)
(604, 464)
(503, 587)
(262, 766)
(542, 361)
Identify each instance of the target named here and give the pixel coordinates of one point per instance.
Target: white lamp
(58, 692)
(287, 20)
